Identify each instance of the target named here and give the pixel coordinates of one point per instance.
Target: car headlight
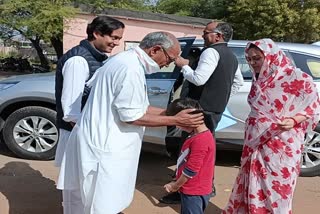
(6, 85)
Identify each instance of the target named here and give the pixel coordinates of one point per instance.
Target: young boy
(195, 164)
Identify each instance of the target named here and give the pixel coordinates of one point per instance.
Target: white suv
(27, 108)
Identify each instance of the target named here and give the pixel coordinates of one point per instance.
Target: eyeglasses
(206, 32)
(214, 31)
(168, 57)
(217, 31)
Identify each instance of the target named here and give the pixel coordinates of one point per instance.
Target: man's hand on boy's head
(185, 118)
(171, 187)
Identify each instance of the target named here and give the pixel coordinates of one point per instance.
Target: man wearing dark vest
(213, 79)
(74, 69)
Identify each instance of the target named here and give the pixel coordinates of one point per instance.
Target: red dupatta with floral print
(280, 91)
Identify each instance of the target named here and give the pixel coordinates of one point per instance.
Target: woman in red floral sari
(284, 106)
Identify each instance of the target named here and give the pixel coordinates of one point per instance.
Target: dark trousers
(194, 204)
(211, 119)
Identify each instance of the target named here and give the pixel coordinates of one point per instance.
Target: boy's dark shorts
(194, 204)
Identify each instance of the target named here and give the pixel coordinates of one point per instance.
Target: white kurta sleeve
(207, 64)
(237, 82)
(131, 101)
(75, 73)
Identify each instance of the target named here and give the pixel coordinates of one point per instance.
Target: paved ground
(28, 187)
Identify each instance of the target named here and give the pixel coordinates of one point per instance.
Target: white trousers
(72, 203)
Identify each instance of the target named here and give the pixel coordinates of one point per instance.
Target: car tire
(310, 165)
(31, 133)
(310, 172)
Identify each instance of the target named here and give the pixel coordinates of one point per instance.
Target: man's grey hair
(225, 29)
(156, 38)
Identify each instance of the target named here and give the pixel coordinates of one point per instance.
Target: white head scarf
(150, 66)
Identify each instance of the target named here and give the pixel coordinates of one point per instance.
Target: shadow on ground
(228, 158)
(151, 184)
(23, 186)
(4, 149)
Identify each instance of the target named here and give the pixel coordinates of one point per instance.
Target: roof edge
(146, 16)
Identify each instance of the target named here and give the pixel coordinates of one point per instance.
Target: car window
(165, 73)
(308, 64)
(314, 67)
(243, 64)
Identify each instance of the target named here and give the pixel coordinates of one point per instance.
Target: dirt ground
(28, 187)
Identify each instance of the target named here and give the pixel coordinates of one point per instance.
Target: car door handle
(157, 91)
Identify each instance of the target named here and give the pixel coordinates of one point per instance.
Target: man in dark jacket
(212, 79)
(74, 69)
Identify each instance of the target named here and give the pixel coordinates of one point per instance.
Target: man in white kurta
(109, 150)
(103, 150)
(73, 70)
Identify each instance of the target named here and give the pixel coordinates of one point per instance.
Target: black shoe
(171, 198)
(213, 193)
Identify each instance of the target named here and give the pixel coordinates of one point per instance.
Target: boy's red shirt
(196, 161)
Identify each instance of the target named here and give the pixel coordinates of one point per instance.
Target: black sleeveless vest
(215, 93)
(94, 59)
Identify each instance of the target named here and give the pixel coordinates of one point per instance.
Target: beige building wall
(7, 50)
(136, 29)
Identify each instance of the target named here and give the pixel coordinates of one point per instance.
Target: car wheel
(310, 165)
(31, 133)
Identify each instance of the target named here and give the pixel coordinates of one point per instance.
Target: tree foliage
(179, 7)
(40, 20)
(281, 20)
(36, 20)
(211, 9)
(99, 5)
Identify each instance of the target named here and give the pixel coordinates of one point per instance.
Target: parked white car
(27, 108)
(316, 43)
